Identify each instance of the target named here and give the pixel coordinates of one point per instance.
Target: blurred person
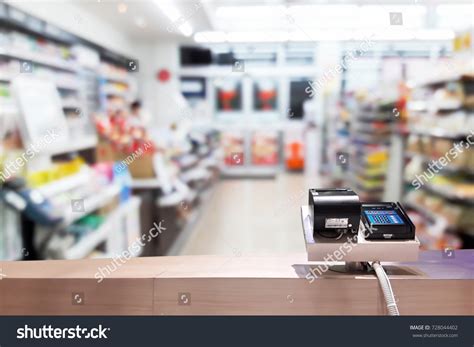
(139, 116)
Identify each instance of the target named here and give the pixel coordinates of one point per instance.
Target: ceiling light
(250, 11)
(319, 35)
(168, 9)
(186, 29)
(174, 15)
(323, 35)
(140, 22)
(122, 7)
(257, 36)
(324, 10)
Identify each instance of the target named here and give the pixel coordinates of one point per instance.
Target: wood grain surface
(239, 285)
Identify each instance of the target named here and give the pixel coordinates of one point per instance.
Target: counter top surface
(431, 265)
(437, 284)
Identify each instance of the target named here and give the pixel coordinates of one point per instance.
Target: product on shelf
(46, 60)
(85, 225)
(454, 154)
(452, 186)
(449, 216)
(113, 72)
(56, 172)
(265, 95)
(295, 156)
(264, 148)
(115, 88)
(427, 240)
(371, 123)
(234, 148)
(90, 199)
(24, 43)
(123, 140)
(449, 97)
(228, 93)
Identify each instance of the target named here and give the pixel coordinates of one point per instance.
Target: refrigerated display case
(233, 144)
(250, 153)
(228, 95)
(265, 148)
(265, 95)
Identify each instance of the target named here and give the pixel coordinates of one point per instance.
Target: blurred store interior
(154, 128)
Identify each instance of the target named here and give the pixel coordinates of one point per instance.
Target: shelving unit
(440, 223)
(110, 226)
(116, 87)
(439, 81)
(44, 51)
(452, 168)
(448, 194)
(31, 47)
(92, 203)
(185, 177)
(198, 171)
(65, 74)
(370, 130)
(11, 244)
(439, 134)
(39, 59)
(55, 242)
(65, 184)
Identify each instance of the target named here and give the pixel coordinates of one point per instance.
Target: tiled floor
(252, 216)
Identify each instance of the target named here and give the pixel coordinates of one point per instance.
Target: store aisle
(252, 216)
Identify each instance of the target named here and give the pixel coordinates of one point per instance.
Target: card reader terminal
(387, 221)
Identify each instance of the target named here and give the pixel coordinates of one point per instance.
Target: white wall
(162, 99)
(73, 19)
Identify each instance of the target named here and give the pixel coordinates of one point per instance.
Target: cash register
(343, 234)
(338, 214)
(336, 219)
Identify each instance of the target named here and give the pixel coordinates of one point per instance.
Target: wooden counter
(244, 285)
